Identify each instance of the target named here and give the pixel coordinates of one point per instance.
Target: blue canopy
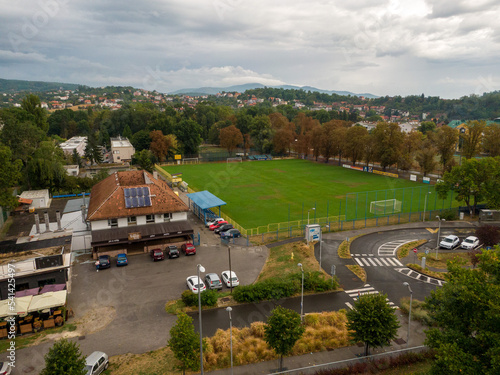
(204, 200)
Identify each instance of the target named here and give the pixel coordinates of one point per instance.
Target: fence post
(376, 221)
(277, 234)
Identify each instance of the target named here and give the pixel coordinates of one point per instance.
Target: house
(40, 198)
(121, 150)
(72, 170)
(134, 211)
(75, 143)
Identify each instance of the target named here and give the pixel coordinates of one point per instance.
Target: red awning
(25, 201)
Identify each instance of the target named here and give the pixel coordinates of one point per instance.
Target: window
(150, 218)
(113, 223)
(167, 217)
(132, 220)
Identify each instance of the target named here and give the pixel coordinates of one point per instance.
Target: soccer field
(262, 192)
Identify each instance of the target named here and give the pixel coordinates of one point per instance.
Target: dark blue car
(231, 233)
(121, 260)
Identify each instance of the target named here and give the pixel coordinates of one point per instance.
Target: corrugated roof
(204, 199)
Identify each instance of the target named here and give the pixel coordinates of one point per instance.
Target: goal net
(190, 161)
(388, 206)
(234, 160)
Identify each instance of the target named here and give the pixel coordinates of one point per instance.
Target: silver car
(470, 243)
(213, 281)
(96, 363)
(449, 242)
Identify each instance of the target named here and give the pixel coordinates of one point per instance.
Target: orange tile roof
(107, 199)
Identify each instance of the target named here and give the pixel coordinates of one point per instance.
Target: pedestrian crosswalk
(366, 289)
(420, 277)
(390, 248)
(368, 260)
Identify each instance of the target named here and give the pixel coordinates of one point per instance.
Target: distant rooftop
(120, 142)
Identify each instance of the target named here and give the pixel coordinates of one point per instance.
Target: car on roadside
(104, 261)
(449, 242)
(157, 254)
(121, 260)
(172, 251)
(230, 281)
(195, 284)
(231, 233)
(213, 221)
(470, 243)
(223, 228)
(214, 226)
(213, 281)
(5, 368)
(188, 249)
(96, 363)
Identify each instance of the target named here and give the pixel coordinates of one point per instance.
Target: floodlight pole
(202, 269)
(302, 294)
(229, 309)
(439, 235)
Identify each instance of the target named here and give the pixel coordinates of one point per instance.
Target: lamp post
(409, 316)
(425, 202)
(312, 209)
(230, 270)
(200, 269)
(320, 243)
(229, 309)
(439, 235)
(302, 294)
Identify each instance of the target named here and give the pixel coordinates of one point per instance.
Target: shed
(40, 198)
(202, 203)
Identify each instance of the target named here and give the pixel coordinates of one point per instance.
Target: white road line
(367, 287)
(365, 262)
(390, 262)
(372, 262)
(383, 261)
(349, 305)
(397, 261)
(378, 261)
(358, 261)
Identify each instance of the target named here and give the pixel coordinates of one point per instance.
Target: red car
(157, 254)
(217, 225)
(188, 249)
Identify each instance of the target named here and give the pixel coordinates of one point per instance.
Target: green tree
(31, 104)
(184, 343)
(262, 133)
(93, 150)
(141, 140)
(445, 140)
(491, 140)
(188, 133)
(127, 132)
(411, 144)
(230, 138)
(372, 321)
(64, 357)
(427, 126)
(45, 168)
(355, 141)
(144, 159)
(10, 174)
(389, 141)
(426, 157)
(464, 319)
(282, 331)
(472, 138)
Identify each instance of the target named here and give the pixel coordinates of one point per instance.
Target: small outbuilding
(40, 198)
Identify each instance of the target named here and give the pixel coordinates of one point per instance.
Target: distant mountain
(13, 85)
(249, 86)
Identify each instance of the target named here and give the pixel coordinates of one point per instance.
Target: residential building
(121, 150)
(134, 211)
(74, 143)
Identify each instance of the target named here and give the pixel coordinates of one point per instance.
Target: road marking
(432, 230)
(372, 262)
(358, 261)
(349, 305)
(378, 261)
(390, 248)
(420, 277)
(367, 287)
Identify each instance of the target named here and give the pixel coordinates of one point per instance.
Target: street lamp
(409, 316)
(425, 202)
(229, 309)
(312, 209)
(320, 243)
(200, 269)
(302, 293)
(439, 235)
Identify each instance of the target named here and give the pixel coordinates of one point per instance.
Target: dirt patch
(16, 257)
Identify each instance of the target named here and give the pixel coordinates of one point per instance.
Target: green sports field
(261, 192)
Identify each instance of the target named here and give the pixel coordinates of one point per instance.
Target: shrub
(448, 215)
(208, 298)
(270, 289)
(488, 235)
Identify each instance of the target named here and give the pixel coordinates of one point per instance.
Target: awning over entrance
(202, 202)
(140, 233)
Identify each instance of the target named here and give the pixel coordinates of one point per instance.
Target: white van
(96, 363)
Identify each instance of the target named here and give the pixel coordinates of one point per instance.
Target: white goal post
(190, 161)
(234, 160)
(388, 206)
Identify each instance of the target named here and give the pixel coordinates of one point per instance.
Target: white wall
(99, 224)
(178, 216)
(141, 220)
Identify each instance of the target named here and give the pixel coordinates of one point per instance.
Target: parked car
(470, 243)
(96, 363)
(5, 368)
(213, 221)
(121, 260)
(157, 254)
(104, 262)
(231, 233)
(223, 228)
(449, 242)
(195, 284)
(213, 281)
(173, 252)
(217, 225)
(234, 279)
(188, 249)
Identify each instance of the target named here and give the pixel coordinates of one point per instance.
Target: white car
(5, 368)
(234, 279)
(195, 284)
(213, 221)
(449, 242)
(470, 243)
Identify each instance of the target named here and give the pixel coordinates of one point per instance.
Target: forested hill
(13, 86)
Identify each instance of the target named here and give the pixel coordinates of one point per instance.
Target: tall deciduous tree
(31, 104)
(445, 140)
(188, 133)
(372, 321)
(355, 141)
(10, 174)
(144, 159)
(282, 331)
(184, 343)
(315, 136)
(491, 140)
(45, 168)
(243, 122)
(472, 138)
(389, 141)
(464, 316)
(262, 133)
(64, 357)
(159, 145)
(230, 138)
(426, 157)
(411, 144)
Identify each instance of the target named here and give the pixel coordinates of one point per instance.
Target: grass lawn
(259, 193)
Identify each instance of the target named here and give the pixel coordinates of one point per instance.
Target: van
(489, 215)
(96, 363)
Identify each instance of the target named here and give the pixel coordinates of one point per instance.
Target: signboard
(134, 236)
(357, 168)
(313, 232)
(386, 173)
(178, 157)
(413, 177)
(415, 250)
(426, 180)
(346, 166)
(368, 169)
(177, 179)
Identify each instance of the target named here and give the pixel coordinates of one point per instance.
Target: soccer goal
(190, 161)
(234, 160)
(388, 206)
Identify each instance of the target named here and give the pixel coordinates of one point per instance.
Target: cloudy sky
(448, 48)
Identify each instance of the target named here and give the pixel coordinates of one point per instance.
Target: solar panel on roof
(128, 202)
(139, 191)
(141, 201)
(147, 201)
(145, 190)
(135, 202)
(133, 192)
(127, 192)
